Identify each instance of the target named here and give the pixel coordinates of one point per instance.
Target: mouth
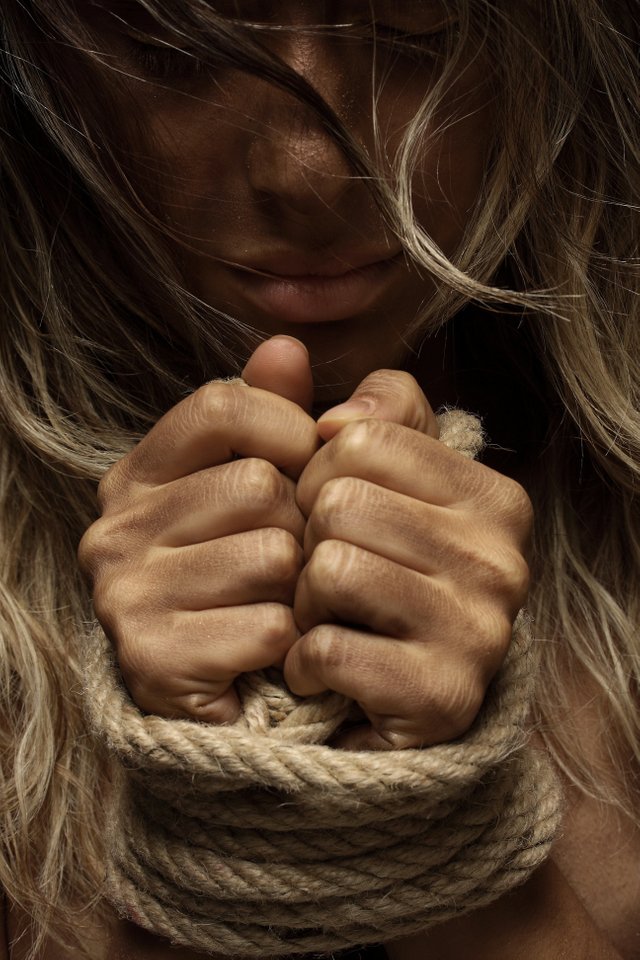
(325, 294)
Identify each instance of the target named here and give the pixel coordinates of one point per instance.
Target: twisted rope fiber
(259, 840)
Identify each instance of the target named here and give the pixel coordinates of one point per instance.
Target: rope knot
(269, 708)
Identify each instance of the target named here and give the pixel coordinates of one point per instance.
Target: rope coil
(258, 840)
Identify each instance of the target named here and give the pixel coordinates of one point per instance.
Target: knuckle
(517, 503)
(490, 641)
(102, 544)
(331, 567)
(510, 500)
(89, 548)
(393, 383)
(215, 401)
(259, 482)
(405, 382)
(516, 578)
(504, 574)
(357, 438)
(119, 603)
(278, 627)
(400, 392)
(110, 541)
(118, 481)
(338, 498)
(322, 646)
(280, 555)
(109, 485)
(405, 386)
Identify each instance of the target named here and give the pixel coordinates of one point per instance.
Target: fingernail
(350, 410)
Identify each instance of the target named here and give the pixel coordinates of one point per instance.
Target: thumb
(281, 365)
(391, 395)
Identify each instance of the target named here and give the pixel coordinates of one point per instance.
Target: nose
(298, 165)
(293, 160)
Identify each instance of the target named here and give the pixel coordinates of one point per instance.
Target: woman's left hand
(415, 570)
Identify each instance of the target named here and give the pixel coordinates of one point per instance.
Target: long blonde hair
(100, 335)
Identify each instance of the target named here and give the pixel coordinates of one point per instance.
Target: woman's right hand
(195, 559)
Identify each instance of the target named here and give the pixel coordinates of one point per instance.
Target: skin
(278, 526)
(353, 551)
(272, 181)
(194, 546)
(427, 677)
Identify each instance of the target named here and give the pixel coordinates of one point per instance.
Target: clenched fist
(197, 554)
(358, 553)
(414, 569)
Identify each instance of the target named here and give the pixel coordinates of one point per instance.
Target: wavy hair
(100, 335)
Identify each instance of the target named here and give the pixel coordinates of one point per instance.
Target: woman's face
(279, 232)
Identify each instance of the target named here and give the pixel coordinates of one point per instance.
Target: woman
(445, 190)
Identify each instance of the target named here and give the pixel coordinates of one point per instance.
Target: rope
(259, 840)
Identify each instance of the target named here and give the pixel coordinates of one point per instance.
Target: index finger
(390, 395)
(218, 422)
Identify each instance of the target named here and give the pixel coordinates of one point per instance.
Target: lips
(300, 291)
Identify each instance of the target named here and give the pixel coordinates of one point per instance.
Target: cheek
(448, 179)
(452, 163)
(195, 158)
